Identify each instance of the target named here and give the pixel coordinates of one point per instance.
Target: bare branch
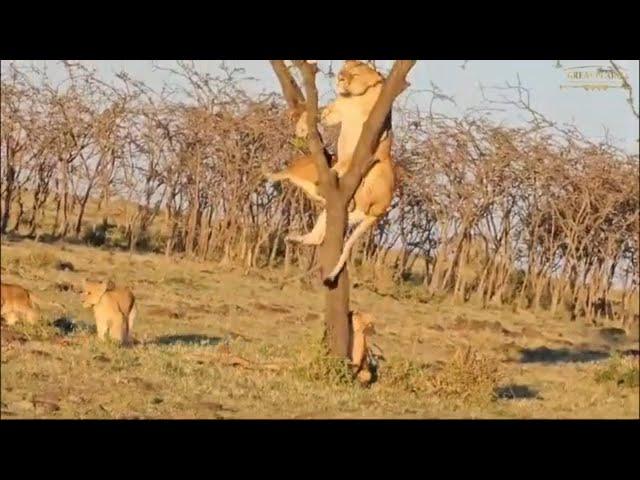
(316, 145)
(290, 89)
(627, 86)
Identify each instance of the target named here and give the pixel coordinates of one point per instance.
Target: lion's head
(93, 291)
(356, 77)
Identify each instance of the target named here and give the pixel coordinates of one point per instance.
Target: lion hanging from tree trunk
(365, 170)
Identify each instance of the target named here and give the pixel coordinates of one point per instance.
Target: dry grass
(312, 364)
(469, 377)
(622, 372)
(214, 343)
(36, 259)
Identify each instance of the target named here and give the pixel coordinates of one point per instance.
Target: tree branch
(290, 89)
(316, 144)
(363, 155)
(627, 86)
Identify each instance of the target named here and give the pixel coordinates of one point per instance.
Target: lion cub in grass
(114, 309)
(361, 327)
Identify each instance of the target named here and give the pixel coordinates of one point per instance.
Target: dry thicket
(535, 216)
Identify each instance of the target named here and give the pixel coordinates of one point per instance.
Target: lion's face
(93, 291)
(355, 78)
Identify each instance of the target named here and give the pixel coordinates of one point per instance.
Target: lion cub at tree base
(114, 309)
(361, 327)
(15, 302)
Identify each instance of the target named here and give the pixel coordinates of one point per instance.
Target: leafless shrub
(534, 215)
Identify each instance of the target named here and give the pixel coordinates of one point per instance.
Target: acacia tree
(338, 192)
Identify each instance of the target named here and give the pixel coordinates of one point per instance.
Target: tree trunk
(336, 294)
(16, 226)
(10, 179)
(83, 206)
(64, 166)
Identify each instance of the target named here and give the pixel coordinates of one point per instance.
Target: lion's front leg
(341, 168)
(330, 115)
(102, 325)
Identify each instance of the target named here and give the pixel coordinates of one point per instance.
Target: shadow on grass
(187, 340)
(516, 392)
(631, 352)
(613, 334)
(560, 355)
(46, 238)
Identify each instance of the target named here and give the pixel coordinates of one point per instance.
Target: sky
(594, 112)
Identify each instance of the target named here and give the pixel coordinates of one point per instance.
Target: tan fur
(114, 309)
(358, 88)
(17, 302)
(303, 173)
(362, 325)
